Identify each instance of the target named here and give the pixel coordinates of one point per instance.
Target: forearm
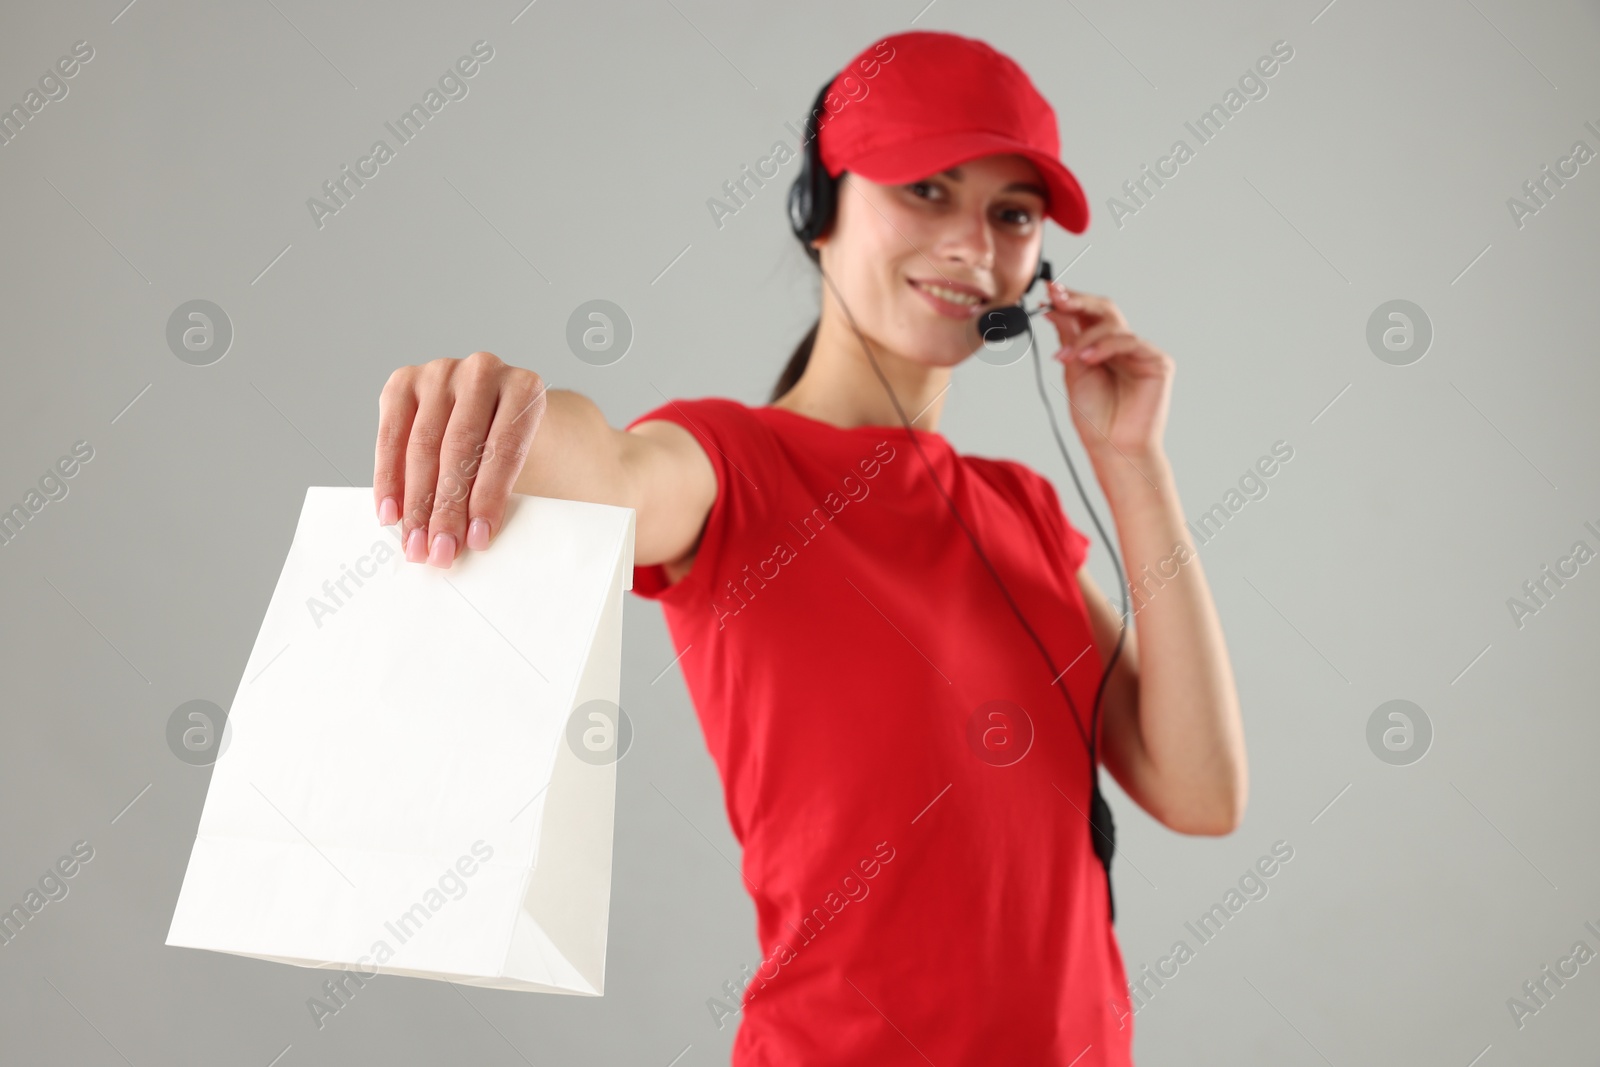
(1188, 716)
(576, 454)
(658, 469)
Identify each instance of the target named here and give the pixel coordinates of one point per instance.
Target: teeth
(952, 295)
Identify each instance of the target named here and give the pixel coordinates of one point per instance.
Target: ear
(822, 240)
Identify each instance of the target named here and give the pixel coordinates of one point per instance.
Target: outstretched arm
(457, 436)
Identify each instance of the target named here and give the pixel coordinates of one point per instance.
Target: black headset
(813, 202)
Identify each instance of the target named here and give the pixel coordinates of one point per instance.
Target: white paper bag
(406, 788)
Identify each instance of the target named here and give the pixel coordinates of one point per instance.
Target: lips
(951, 299)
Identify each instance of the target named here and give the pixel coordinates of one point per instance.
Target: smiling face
(917, 263)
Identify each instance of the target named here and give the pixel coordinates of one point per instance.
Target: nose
(970, 240)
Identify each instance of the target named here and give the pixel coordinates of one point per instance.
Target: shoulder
(1036, 497)
(745, 456)
(738, 470)
(1017, 480)
(724, 428)
(719, 411)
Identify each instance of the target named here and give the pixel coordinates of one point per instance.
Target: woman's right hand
(453, 435)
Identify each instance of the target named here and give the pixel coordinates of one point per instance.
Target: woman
(906, 772)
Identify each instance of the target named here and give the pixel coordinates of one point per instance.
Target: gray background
(1378, 567)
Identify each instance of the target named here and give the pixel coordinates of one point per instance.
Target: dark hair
(811, 208)
(802, 351)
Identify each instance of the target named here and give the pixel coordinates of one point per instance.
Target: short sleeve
(743, 455)
(1040, 496)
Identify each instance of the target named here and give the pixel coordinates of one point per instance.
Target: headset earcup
(812, 195)
(824, 193)
(800, 202)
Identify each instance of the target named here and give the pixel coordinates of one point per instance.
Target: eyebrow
(954, 174)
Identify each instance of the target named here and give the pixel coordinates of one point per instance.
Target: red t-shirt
(924, 881)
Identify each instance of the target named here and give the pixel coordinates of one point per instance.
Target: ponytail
(796, 365)
(802, 352)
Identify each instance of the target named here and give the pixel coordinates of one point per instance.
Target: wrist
(1137, 473)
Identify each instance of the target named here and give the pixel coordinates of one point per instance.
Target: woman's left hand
(1119, 385)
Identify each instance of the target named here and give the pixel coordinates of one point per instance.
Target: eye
(926, 190)
(1020, 217)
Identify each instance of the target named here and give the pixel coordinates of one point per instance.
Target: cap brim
(909, 161)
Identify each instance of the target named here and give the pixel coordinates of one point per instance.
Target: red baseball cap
(914, 104)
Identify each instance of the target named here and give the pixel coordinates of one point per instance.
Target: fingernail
(1086, 353)
(388, 512)
(478, 535)
(444, 550)
(415, 541)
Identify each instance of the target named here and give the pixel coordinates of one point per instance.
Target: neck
(840, 387)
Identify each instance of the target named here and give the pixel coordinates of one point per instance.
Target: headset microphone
(1003, 323)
